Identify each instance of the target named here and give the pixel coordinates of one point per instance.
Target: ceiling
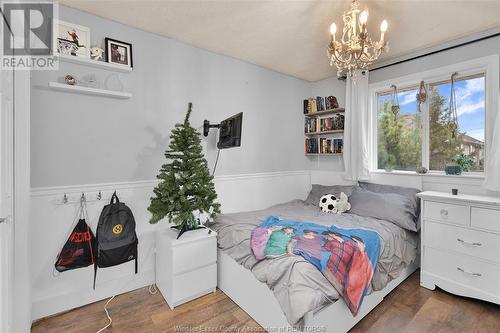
(291, 36)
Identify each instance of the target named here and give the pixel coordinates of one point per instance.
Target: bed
(288, 293)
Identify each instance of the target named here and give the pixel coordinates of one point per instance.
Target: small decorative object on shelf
(69, 79)
(96, 53)
(422, 170)
(466, 162)
(73, 39)
(118, 52)
(454, 191)
(453, 169)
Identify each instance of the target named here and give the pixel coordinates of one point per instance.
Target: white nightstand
(186, 268)
(461, 244)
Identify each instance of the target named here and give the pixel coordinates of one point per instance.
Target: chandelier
(355, 49)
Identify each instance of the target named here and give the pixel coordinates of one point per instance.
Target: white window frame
(488, 65)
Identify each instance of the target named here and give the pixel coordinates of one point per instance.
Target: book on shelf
(331, 145)
(311, 146)
(333, 123)
(310, 125)
(331, 102)
(318, 104)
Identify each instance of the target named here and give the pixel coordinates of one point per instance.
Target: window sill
(467, 175)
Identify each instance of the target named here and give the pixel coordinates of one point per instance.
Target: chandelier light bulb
(333, 28)
(383, 26)
(363, 17)
(355, 49)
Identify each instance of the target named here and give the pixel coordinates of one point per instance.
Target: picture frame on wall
(118, 52)
(72, 39)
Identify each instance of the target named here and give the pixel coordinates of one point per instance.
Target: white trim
(435, 174)
(21, 230)
(55, 190)
(489, 65)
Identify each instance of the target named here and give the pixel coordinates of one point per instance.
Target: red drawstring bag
(79, 249)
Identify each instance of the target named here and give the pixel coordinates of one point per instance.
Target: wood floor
(408, 308)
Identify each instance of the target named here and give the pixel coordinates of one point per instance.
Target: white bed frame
(256, 299)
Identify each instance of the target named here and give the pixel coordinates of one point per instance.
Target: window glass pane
(468, 143)
(399, 135)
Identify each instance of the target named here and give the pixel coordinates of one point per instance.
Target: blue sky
(470, 104)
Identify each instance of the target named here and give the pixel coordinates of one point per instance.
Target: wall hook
(99, 195)
(65, 198)
(82, 198)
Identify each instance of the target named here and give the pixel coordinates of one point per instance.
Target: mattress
(298, 286)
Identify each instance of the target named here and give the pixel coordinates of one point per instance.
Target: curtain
(492, 167)
(356, 128)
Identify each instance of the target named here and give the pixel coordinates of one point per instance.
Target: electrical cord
(216, 160)
(107, 314)
(152, 290)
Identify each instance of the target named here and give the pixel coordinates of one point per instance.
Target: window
(424, 135)
(399, 135)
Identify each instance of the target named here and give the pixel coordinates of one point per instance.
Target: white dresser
(186, 268)
(461, 244)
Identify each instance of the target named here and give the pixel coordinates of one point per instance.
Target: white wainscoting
(51, 223)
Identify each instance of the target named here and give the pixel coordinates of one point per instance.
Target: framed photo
(118, 52)
(72, 39)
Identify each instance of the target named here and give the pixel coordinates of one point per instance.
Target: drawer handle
(468, 243)
(444, 212)
(469, 273)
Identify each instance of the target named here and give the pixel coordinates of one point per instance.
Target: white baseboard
(51, 223)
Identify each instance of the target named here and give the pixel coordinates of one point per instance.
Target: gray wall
(460, 54)
(327, 87)
(78, 139)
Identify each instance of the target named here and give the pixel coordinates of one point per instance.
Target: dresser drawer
(192, 255)
(488, 219)
(462, 269)
(192, 284)
(446, 212)
(471, 242)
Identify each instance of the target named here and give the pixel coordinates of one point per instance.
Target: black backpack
(115, 236)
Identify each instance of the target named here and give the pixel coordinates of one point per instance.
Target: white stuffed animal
(342, 205)
(96, 53)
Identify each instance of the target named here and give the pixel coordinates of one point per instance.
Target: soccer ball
(327, 203)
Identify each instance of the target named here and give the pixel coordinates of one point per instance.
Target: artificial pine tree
(186, 185)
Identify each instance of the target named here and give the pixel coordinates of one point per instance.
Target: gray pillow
(392, 207)
(318, 191)
(410, 193)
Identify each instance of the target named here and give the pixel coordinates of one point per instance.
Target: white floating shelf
(94, 63)
(89, 91)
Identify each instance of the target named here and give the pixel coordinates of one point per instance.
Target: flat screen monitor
(230, 132)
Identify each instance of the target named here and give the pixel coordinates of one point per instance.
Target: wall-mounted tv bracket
(207, 126)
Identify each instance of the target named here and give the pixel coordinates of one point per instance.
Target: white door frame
(22, 279)
(16, 309)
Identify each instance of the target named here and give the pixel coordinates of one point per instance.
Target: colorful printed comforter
(346, 257)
